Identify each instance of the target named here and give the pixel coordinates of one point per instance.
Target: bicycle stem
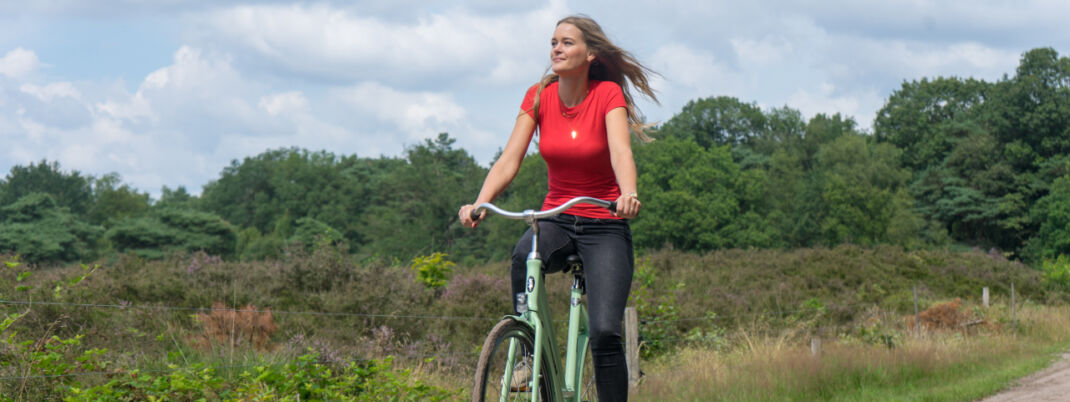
(529, 217)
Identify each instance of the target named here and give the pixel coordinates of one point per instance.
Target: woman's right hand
(466, 216)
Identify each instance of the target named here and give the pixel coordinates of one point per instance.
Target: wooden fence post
(815, 346)
(631, 339)
(984, 296)
(1014, 317)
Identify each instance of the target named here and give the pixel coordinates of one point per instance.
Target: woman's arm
(504, 169)
(620, 155)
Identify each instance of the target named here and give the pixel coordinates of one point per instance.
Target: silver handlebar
(532, 215)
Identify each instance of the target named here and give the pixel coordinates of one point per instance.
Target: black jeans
(605, 245)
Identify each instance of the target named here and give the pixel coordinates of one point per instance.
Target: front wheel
(496, 364)
(586, 388)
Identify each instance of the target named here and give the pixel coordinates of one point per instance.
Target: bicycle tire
(492, 363)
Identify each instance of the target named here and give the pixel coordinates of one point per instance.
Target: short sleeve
(614, 96)
(528, 105)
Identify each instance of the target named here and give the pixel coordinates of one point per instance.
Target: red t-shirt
(574, 143)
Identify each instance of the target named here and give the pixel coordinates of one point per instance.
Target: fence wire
(471, 356)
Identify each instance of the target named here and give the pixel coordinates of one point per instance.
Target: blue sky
(167, 93)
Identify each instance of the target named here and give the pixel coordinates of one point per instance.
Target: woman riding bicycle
(583, 111)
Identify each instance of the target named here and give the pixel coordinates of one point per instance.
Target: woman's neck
(572, 89)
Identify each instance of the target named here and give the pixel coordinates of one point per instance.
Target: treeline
(950, 161)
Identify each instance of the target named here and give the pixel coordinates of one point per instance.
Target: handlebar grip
(612, 207)
(475, 214)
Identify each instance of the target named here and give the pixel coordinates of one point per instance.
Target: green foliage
(310, 231)
(983, 153)
(113, 200)
(305, 378)
(55, 367)
(526, 192)
(177, 198)
(293, 183)
(432, 270)
(415, 209)
(164, 231)
(70, 190)
(658, 327)
(41, 231)
(691, 196)
(1052, 212)
(1057, 272)
(253, 246)
(48, 356)
(864, 192)
(718, 121)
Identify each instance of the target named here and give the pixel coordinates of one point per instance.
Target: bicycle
(529, 334)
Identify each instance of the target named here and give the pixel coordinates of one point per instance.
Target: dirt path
(1050, 384)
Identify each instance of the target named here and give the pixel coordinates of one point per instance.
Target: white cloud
(916, 60)
(18, 63)
(276, 104)
(324, 41)
(418, 114)
(51, 91)
(695, 69)
(756, 53)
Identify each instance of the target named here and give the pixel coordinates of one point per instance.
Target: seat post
(575, 266)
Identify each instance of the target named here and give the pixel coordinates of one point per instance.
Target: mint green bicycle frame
(535, 312)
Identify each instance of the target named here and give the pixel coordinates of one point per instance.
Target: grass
(935, 366)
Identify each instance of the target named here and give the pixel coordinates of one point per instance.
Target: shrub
(1056, 272)
(432, 270)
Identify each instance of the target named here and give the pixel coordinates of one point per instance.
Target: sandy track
(1050, 384)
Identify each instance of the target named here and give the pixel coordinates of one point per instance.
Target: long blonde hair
(611, 64)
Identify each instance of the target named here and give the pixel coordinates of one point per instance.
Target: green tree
(527, 191)
(923, 118)
(864, 193)
(167, 230)
(691, 196)
(40, 230)
(70, 190)
(1052, 238)
(415, 209)
(295, 184)
(113, 200)
(311, 232)
(716, 121)
(177, 198)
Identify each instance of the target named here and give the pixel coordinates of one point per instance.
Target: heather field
(733, 324)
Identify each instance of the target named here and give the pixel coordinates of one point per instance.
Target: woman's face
(568, 51)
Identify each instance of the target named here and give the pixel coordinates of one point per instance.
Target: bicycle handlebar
(610, 205)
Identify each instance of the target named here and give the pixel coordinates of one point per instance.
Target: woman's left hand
(627, 206)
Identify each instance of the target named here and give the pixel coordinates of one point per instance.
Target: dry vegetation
(941, 362)
(729, 317)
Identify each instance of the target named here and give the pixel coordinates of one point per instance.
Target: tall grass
(935, 365)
